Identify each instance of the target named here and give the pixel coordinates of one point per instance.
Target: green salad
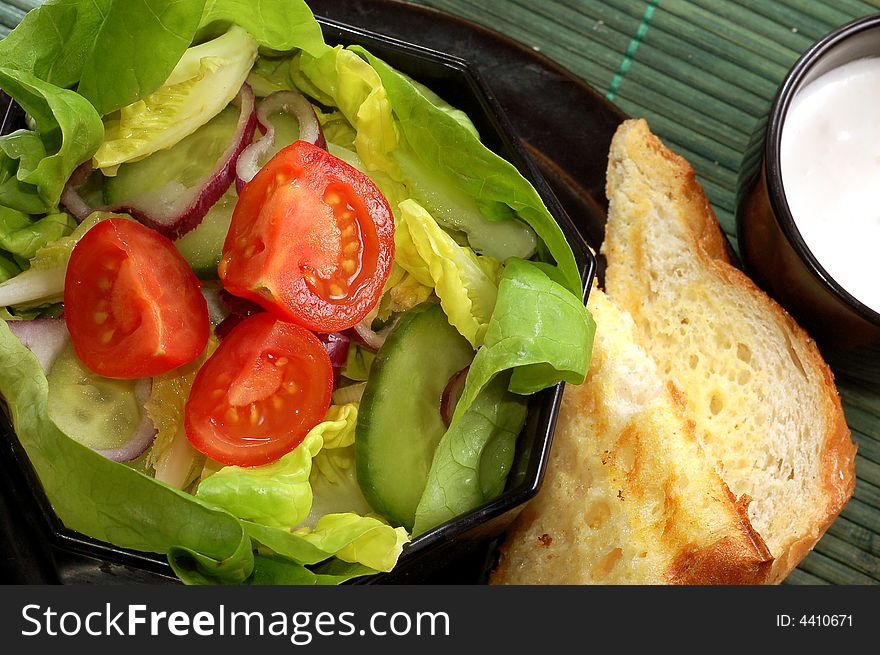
(270, 306)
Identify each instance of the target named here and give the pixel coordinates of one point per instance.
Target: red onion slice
(337, 345)
(451, 394)
(45, 337)
(236, 310)
(70, 197)
(363, 333)
(168, 210)
(289, 102)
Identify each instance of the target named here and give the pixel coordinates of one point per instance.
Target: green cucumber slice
(202, 246)
(185, 165)
(101, 413)
(399, 421)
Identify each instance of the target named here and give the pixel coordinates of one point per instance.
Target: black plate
(568, 139)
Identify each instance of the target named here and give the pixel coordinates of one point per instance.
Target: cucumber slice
(186, 164)
(101, 413)
(399, 422)
(459, 212)
(202, 246)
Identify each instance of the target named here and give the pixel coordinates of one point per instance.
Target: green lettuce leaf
(539, 329)
(467, 292)
(23, 236)
(135, 47)
(69, 130)
(276, 24)
(202, 84)
(458, 160)
(474, 457)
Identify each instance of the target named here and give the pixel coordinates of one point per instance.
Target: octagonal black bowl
(39, 549)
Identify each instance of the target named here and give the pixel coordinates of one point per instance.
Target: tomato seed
(232, 415)
(100, 317)
(106, 336)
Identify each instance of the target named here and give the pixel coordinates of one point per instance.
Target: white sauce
(831, 173)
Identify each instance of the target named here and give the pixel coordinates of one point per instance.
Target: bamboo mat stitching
(630, 54)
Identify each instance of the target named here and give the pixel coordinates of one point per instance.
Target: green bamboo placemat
(702, 72)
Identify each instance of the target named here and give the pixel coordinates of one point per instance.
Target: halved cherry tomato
(255, 398)
(132, 304)
(311, 239)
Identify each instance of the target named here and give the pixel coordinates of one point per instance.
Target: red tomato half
(311, 240)
(132, 304)
(267, 384)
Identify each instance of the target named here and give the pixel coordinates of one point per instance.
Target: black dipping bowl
(773, 251)
(458, 551)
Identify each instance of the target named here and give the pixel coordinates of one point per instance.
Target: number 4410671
(814, 620)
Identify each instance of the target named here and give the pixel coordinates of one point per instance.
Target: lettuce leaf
(539, 329)
(23, 236)
(474, 456)
(276, 494)
(467, 292)
(68, 130)
(456, 158)
(276, 24)
(281, 494)
(136, 45)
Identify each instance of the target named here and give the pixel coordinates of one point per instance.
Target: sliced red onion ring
(364, 334)
(337, 345)
(236, 310)
(70, 197)
(451, 394)
(144, 433)
(45, 337)
(288, 102)
(168, 210)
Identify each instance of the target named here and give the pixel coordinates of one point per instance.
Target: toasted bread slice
(763, 400)
(628, 496)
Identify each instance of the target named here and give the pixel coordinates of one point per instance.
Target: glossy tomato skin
(132, 304)
(268, 383)
(311, 240)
